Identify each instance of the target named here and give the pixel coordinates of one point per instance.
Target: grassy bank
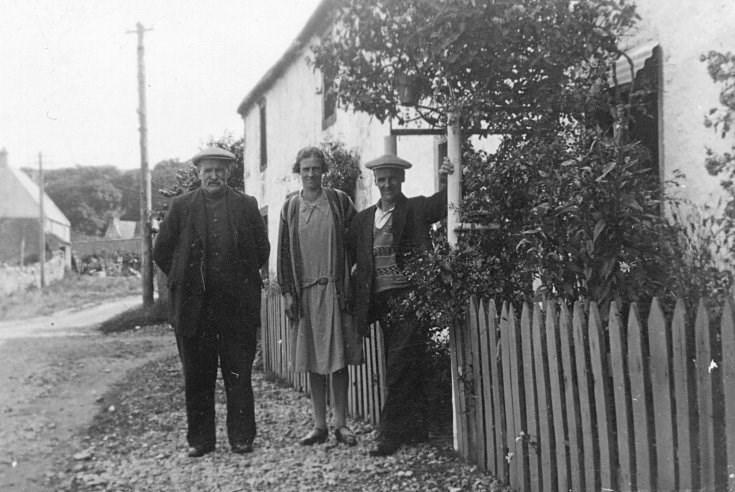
(135, 318)
(73, 291)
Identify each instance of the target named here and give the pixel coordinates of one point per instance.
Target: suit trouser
(222, 337)
(403, 417)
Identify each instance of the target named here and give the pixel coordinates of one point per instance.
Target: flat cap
(213, 153)
(388, 161)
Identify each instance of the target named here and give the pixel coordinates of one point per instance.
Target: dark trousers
(403, 417)
(223, 338)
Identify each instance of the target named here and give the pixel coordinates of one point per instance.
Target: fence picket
(728, 383)
(705, 406)
(486, 370)
(530, 447)
(586, 404)
(621, 394)
(365, 373)
(501, 465)
(509, 400)
(571, 390)
(474, 386)
(684, 397)
(547, 457)
(639, 402)
(622, 420)
(556, 390)
(603, 400)
(380, 378)
(661, 392)
(519, 399)
(460, 410)
(468, 341)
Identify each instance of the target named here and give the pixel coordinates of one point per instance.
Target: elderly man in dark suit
(381, 237)
(211, 245)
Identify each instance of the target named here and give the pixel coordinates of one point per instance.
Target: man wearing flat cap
(211, 245)
(381, 237)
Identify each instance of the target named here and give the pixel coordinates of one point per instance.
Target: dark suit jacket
(412, 219)
(180, 251)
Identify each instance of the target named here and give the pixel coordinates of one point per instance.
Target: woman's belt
(320, 281)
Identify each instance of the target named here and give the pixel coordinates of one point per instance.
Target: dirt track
(53, 373)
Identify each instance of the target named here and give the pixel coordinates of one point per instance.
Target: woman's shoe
(345, 435)
(316, 436)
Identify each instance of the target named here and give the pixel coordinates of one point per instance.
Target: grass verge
(135, 318)
(73, 291)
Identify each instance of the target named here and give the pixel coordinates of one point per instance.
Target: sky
(68, 74)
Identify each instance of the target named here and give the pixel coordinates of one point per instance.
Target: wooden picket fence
(559, 401)
(366, 389)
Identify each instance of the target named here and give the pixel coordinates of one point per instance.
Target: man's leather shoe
(242, 448)
(199, 451)
(345, 435)
(316, 436)
(385, 447)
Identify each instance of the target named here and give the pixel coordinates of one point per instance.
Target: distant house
(19, 219)
(122, 229)
(120, 237)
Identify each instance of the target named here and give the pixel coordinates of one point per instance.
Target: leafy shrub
(344, 166)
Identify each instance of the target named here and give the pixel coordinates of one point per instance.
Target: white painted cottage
(287, 108)
(671, 36)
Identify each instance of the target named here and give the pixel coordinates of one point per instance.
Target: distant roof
(121, 229)
(20, 196)
(313, 26)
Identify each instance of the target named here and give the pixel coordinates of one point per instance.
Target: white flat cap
(388, 161)
(213, 153)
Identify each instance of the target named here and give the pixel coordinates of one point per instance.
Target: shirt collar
(380, 209)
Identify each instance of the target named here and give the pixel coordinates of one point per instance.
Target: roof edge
(313, 25)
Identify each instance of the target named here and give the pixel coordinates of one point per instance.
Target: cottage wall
(684, 30)
(294, 120)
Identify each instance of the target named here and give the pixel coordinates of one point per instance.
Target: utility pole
(146, 202)
(41, 224)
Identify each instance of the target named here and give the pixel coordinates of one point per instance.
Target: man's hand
(290, 306)
(446, 168)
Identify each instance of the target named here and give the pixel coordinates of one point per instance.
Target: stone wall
(16, 278)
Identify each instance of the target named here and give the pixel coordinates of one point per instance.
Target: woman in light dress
(313, 274)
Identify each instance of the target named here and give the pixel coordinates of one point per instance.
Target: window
(264, 272)
(329, 102)
(263, 137)
(644, 125)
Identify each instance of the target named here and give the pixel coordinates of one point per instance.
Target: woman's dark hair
(307, 152)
